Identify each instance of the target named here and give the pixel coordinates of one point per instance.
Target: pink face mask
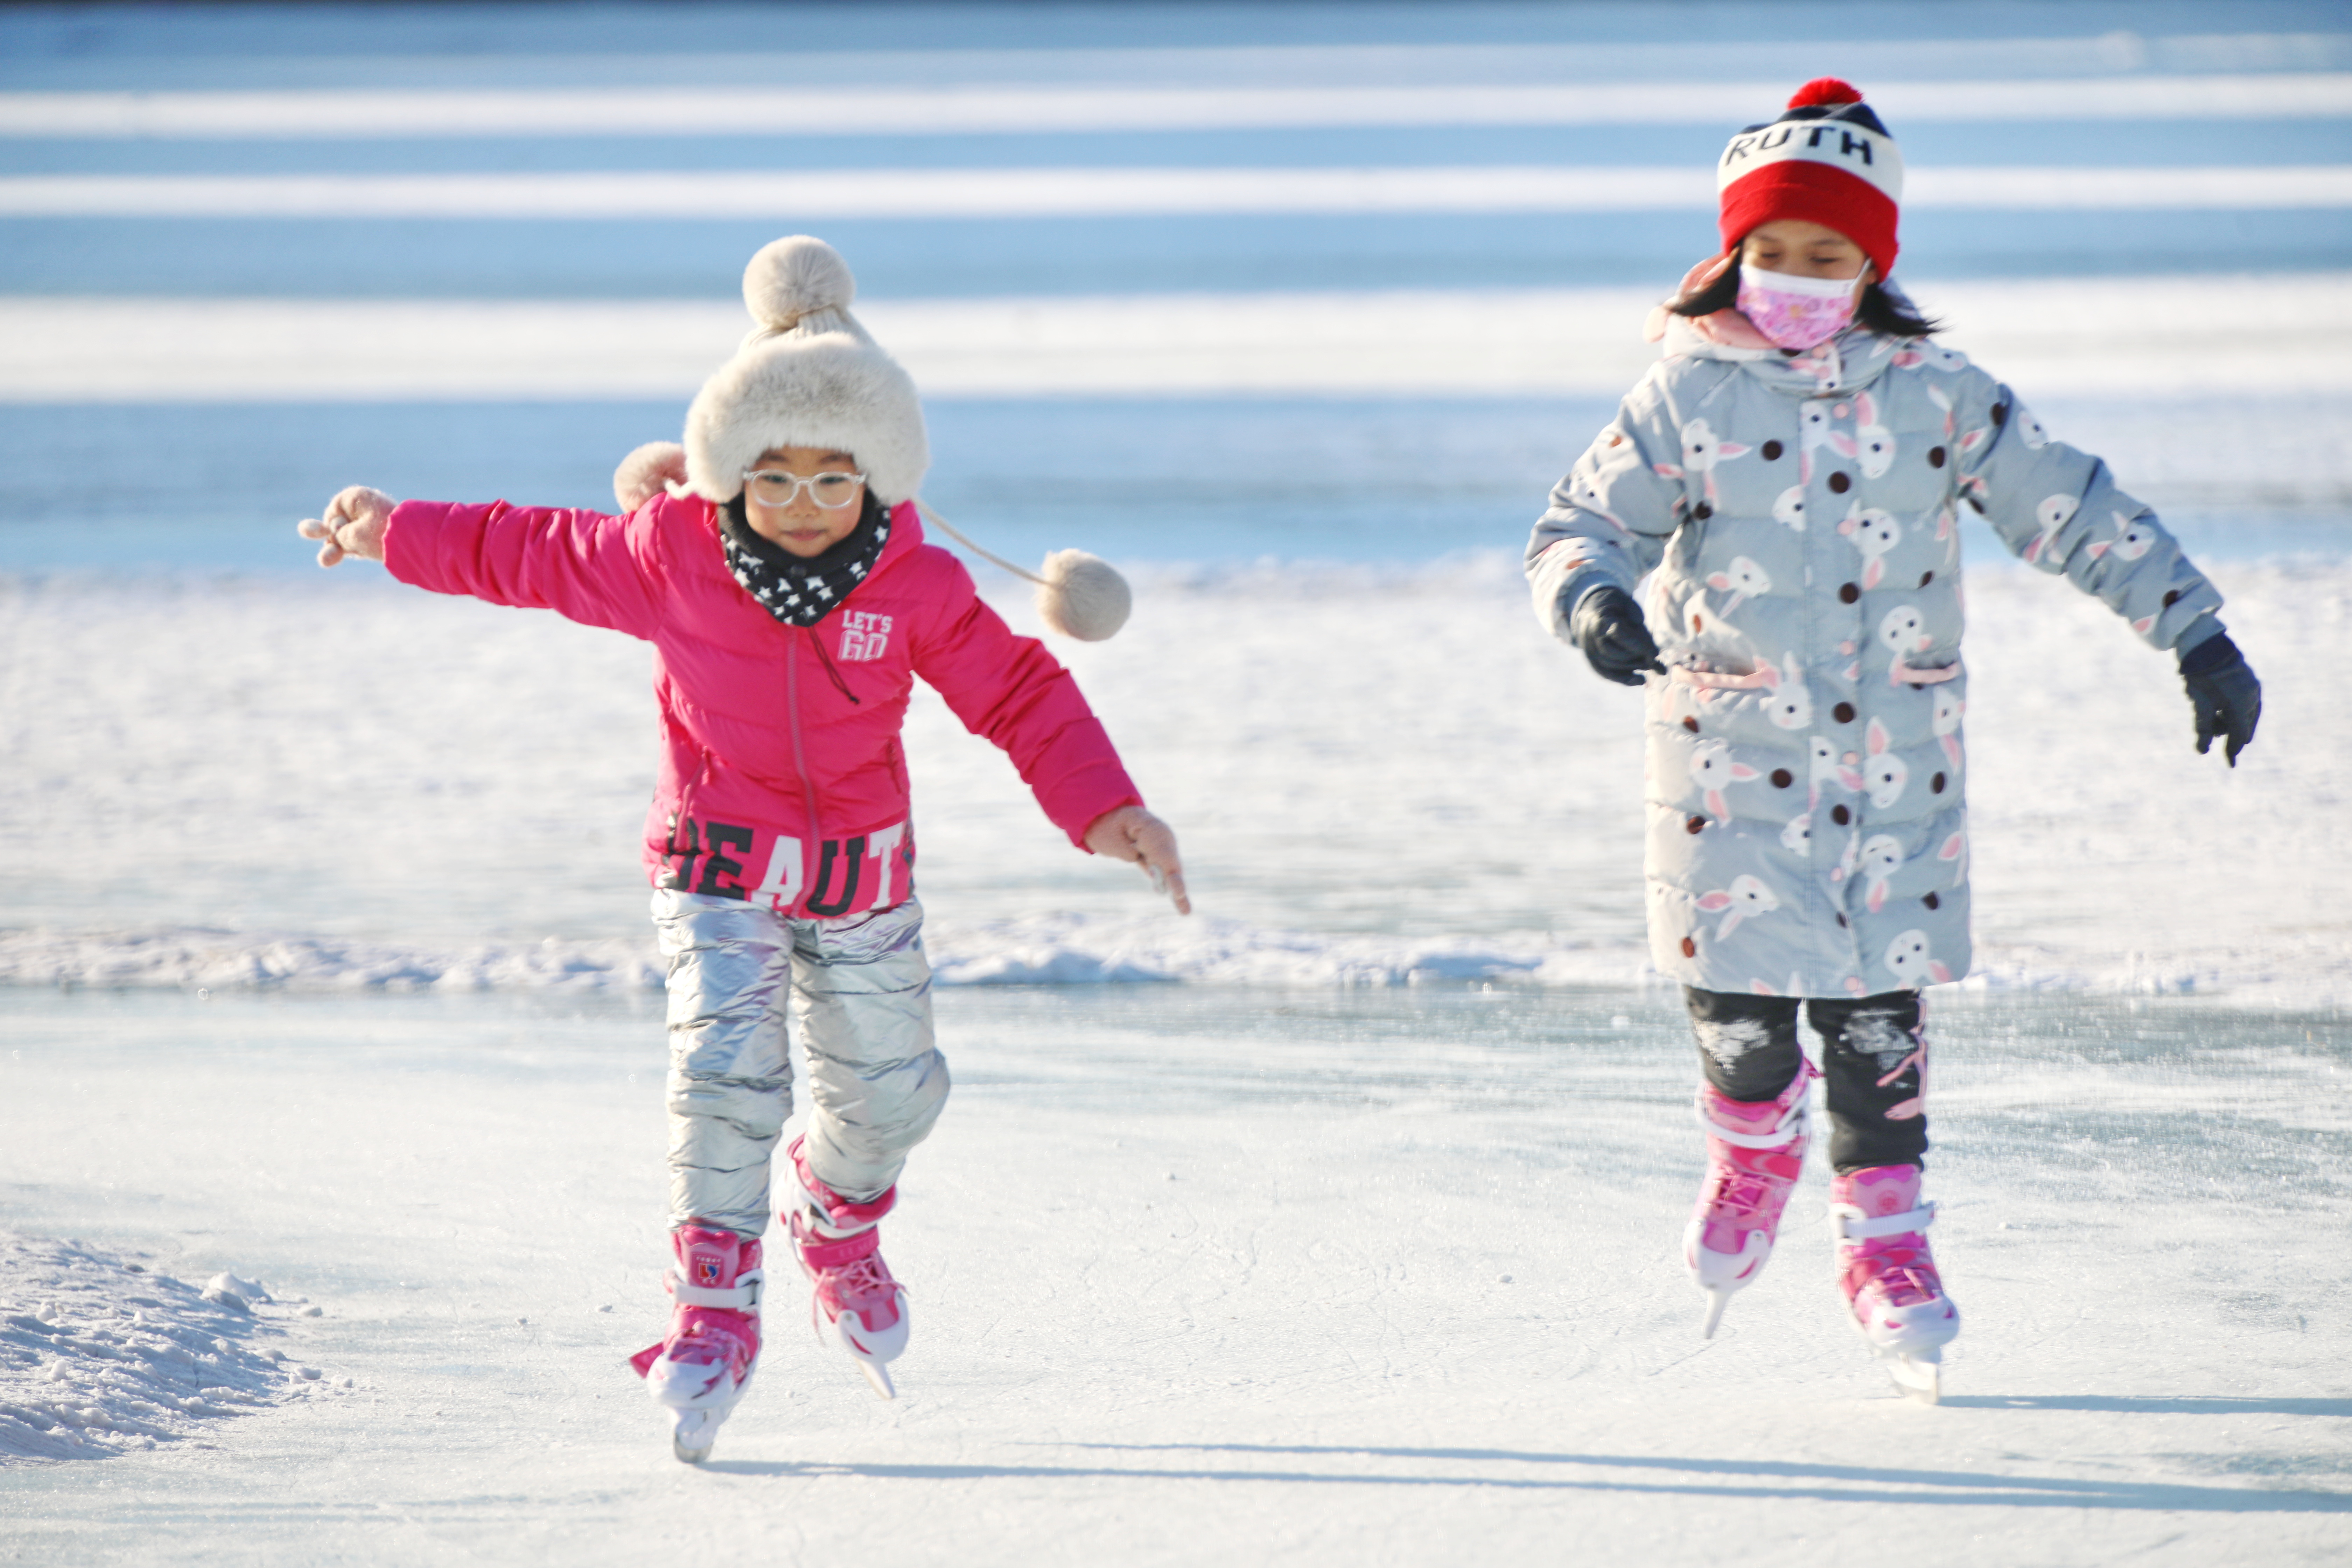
(1796, 312)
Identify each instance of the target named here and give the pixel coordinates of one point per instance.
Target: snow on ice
(276, 780)
(99, 1355)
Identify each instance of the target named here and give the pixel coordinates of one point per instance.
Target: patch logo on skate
(707, 1272)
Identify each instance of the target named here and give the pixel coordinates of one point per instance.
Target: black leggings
(1874, 1057)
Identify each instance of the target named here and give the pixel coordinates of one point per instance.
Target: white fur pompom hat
(809, 375)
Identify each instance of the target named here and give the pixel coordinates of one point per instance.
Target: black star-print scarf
(796, 591)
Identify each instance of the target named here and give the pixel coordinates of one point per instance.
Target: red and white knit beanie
(1827, 160)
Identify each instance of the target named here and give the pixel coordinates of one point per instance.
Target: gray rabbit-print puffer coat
(1799, 519)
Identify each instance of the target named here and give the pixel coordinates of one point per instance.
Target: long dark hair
(1880, 311)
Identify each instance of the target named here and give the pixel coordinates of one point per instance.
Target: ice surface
(1576, 98)
(963, 193)
(1206, 1274)
(2176, 346)
(1337, 1224)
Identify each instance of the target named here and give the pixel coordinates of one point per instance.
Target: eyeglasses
(776, 487)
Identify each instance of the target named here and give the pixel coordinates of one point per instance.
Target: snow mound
(1066, 949)
(1077, 949)
(98, 1357)
(1074, 949)
(203, 959)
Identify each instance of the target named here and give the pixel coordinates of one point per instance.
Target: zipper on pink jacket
(800, 754)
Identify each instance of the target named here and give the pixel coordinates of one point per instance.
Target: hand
(353, 525)
(2224, 692)
(1134, 835)
(1608, 626)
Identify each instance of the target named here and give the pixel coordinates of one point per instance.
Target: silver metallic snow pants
(861, 997)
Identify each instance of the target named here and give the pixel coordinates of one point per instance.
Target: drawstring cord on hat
(936, 520)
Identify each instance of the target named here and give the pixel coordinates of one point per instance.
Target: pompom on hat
(808, 375)
(1827, 160)
(651, 469)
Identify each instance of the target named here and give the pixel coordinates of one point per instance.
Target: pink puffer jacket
(782, 778)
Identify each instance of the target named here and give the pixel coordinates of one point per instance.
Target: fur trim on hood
(808, 375)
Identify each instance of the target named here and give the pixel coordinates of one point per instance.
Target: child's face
(802, 526)
(1792, 246)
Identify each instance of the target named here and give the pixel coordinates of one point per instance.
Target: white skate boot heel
(854, 1302)
(701, 1370)
(1888, 1275)
(1755, 1151)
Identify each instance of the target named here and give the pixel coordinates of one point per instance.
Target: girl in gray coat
(1790, 479)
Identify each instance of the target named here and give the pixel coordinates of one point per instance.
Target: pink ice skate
(701, 1369)
(855, 1303)
(1889, 1275)
(1755, 1151)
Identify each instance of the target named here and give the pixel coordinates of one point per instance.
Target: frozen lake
(1200, 1273)
(1338, 1224)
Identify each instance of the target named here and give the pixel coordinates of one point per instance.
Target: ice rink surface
(1338, 1224)
(1200, 1274)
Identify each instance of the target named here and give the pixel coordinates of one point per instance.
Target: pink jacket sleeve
(1010, 690)
(583, 565)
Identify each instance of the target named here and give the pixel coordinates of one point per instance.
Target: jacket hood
(1847, 362)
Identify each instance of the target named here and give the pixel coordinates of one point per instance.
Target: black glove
(1608, 626)
(2224, 692)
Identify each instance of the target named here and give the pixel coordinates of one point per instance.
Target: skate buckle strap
(831, 1254)
(838, 1215)
(1791, 1126)
(1848, 1225)
(743, 1298)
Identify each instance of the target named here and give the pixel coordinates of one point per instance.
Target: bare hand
(353, 525)
(1134, 835)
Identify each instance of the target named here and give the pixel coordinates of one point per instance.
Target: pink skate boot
(1889, 1275)
(701, 1369)
(855, 1302)
(1755, 1151)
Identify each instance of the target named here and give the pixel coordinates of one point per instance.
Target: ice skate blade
(1717, 1300)
(877, 1373)
(873, 1359)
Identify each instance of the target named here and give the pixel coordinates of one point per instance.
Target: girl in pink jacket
(791, 601)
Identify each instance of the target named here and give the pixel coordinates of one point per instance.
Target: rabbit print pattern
(1807, 826)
